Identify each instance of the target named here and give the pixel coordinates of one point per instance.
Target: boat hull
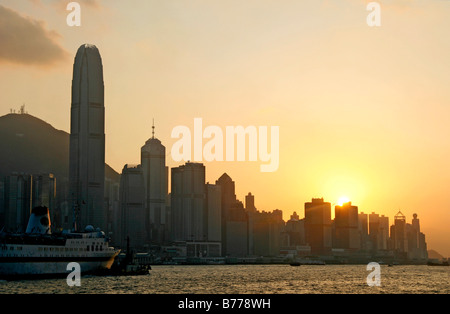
(19, 268)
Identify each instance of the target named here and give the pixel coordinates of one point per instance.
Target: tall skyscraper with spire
(87, 139)
(153, 161)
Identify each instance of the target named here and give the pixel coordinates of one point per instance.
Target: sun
(342, 200)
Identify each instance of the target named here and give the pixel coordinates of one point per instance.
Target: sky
(362, 111)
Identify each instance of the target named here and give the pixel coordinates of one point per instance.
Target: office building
(132, 215)
(417, 246)
(398, 235)
(318, 226)
(229, 201)
(346, 227)
(188, 203)
(18, 201)
(153, 162)
(363, 227)
(87, 138)
(214, 212)
(267, 228)
(250, 203)
(44, 191)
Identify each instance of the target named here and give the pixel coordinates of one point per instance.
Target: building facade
(87, 138)
(318, 226)
(155, 172)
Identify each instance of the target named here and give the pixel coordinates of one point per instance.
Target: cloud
(62, 5)
(24, 40)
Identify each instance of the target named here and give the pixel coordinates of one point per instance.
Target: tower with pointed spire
(155, 171)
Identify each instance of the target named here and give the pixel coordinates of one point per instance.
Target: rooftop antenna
(153, 129)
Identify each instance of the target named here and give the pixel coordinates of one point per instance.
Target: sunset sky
(363, 112)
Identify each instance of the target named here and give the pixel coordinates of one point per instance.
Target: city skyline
(387, 155)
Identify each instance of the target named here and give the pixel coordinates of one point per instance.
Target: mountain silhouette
(30, 145)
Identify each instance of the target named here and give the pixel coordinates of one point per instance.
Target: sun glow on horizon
(342, 200)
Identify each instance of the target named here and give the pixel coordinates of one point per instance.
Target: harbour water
(250, 279)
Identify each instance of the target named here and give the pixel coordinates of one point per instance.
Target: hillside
(30, 145)
(432, 254)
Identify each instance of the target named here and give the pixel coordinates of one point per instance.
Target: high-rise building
(267, 227)
(214, 212)
(153, 161)
(378, 231)
(132, 208)
(398, 235)
(318, 226)
(2, 201)
(87, 138)
(363, 227)
(295, 229)
(44, 193)
(229, 201)
(18, 201)
(236, 231)
(346, 227)
(250, 203)
(417, 247)
(188, 203)
(112, 205)
(383, 235)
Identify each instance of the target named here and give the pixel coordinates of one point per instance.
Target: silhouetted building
(250, 203)
(398, 235)
(214, 212)
(87, 138)
(383, 235)
(346, 227)
(267, 228)
(18, 201)
(2, 203)
(188, 203)
(229, 202)
(153, 161)
(378, 231)
(112, 205)
(295, 229)
(318, 226)
(417, 247)
(363, 227)
(44, 191)
(132, 208)
(44, 194)
(237, 231)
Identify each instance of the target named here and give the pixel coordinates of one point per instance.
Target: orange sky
(363, 112)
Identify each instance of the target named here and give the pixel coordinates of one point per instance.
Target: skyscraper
(188, 203)
(153, 161)
(250, 203)
(87, 138)
(214, 212)
(363, 228)
(346, 227)
(398, 235)
(132, 214)
(18, 201)
(318, 226)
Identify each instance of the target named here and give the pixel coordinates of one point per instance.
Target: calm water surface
(253, 279)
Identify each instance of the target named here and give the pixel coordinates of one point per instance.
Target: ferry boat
(40, 253)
